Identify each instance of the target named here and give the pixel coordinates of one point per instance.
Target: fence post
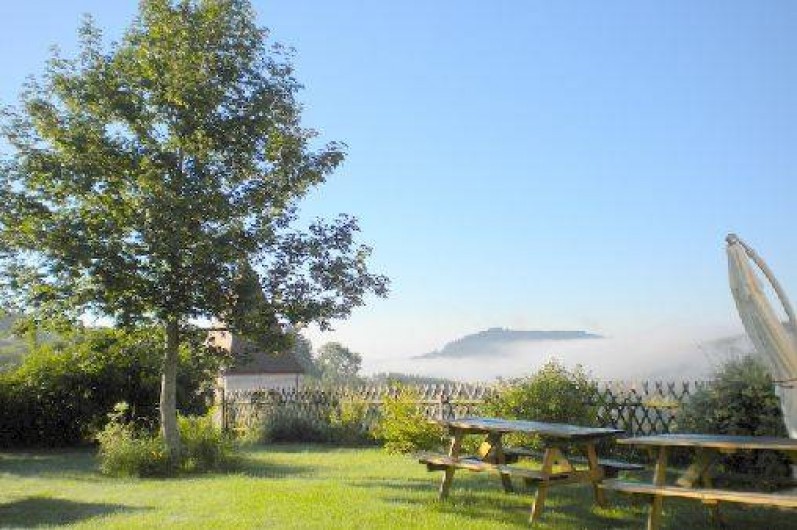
(223, 409)
(444, 412)
(631, 410)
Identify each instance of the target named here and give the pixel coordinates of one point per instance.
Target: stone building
(254, 369)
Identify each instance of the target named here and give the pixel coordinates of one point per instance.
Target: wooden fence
(642, 408)
(639, 408)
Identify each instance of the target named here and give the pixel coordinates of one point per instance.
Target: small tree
(338, 364)
(157, 181)
(554, 394)
(741, 400)
(302, 350)
(403, 428)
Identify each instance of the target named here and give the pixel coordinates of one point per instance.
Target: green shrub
(43, 404)
(288, 423)
(341, 422)
(741, 401)
(348, 423)
(129, 452)
(203, 446)
(553, 394)
(62, 392)
(403, 428)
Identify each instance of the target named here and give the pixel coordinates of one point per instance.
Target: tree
(741, 401)
(302, 350)
(156, 181)
(337, 363)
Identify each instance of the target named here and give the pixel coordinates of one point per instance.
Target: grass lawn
(307, 486)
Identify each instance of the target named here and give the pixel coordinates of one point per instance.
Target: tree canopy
(338, 364)
(302, 351)
(157, 180)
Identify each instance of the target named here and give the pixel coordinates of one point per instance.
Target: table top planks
(713, 441)
(550, 430)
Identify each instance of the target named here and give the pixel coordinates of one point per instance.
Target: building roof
(250, 360)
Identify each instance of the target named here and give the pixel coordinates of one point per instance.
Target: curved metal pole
(781, 294)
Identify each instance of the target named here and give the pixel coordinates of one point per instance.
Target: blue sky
(534, 165)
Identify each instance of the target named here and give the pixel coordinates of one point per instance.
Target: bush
(204, 447)
(348, 424)
(43, 404)
(130, 451)
(403, 428)
(741, 401)
(62, 392)
(553, 394)
(287, 423)
(341, 422)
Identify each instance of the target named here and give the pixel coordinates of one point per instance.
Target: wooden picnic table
(696, 481)
(556, 469)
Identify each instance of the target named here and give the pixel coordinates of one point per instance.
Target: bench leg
(453, 451)
(699, 469)
(491, 450)
(700, 472)
(542, 489)
(595, 475)
(497, 455)
(714, 507)
(714, 514)
(659, 478)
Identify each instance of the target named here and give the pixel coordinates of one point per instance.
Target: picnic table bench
(611, 467)
(492, 456)
(707, 450)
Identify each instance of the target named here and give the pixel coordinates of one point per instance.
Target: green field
(308, 486)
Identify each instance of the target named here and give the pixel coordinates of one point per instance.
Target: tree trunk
(168, 399)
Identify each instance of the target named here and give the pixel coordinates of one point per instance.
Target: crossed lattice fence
(645, 407)
(639, 408)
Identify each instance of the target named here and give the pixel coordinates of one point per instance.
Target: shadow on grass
(263, 468)
(559, 512)
(687, 514)
(406, 485)
(80, 463)
(32, 512)
(479, 498)
(297, 448)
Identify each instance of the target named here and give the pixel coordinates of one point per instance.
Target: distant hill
(493, 341)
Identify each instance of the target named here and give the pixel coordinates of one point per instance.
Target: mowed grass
(307, 486)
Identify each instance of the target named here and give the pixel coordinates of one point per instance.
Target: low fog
(610, 358)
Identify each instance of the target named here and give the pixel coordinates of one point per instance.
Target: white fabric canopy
(773, 340)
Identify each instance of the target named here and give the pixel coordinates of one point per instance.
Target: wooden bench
(554, 469)
(706, 495)
(611, 468)
(441, 462)
(705, 450)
